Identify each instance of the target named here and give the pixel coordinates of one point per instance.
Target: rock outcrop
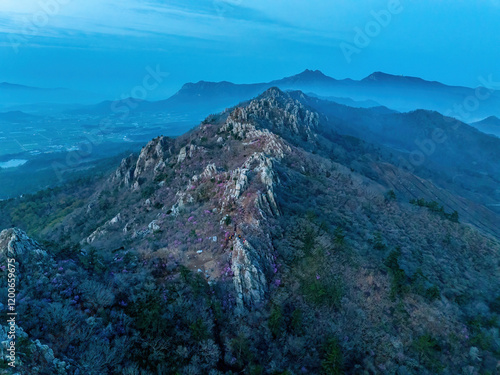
(275, 111)
(36, 348)
(15, 243)
(151, 160)
(248, 275)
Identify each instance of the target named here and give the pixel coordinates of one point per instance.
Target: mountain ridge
(489, 125)
(263, 238)
(399, 93)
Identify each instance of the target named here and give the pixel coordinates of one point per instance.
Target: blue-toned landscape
(230, 187)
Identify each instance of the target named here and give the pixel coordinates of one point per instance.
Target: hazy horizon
(100, 46)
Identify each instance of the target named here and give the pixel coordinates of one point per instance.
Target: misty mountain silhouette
(399, 93)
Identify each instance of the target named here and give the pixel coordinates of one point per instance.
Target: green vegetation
(429, 352)
(323, 290)
(390, 195)
(495, 305)
(276, 320)
(435, 207)
(399, 281)
(45, 209)
(481, 334)
(378, 242)
(401, 284)
(339, 236)
(147, 191)
(333, 361)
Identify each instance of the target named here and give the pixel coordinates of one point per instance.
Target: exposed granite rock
(125, 173)
(35, 348)
(151, 159)
(209, 171)
(267, 176)
(154, 225)
(249, 276)
(281, 112)
(182, 199)
(182, 155)
(15, 243)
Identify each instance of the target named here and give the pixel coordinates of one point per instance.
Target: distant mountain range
(194, 101)
(16, 116)
(399, 93)
(490, 125)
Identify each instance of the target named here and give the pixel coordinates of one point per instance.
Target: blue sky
(106, 45)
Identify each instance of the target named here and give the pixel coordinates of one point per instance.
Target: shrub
(495, 305)
(97, 294)
(199, 330)
(434, 206)
(297, 322)
(391, 195)
(432, 293)
(148, 191)
(92, 261)
(399, 281)
(333, 361)
(276, 320)
(323, 291)
(339, 236)
(428, 350)
(378, 242)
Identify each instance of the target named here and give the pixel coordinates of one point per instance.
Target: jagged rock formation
(152, 157)
(261, 134)
(271, 113)
(27, 253)
(15, 243)
(247, 186)
(248, 276)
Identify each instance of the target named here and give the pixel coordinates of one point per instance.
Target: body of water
(13, 163)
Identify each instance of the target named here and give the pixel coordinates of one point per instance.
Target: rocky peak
(151, 160)
(276, 111)
(154, 154)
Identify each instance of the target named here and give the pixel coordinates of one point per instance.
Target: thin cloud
(216, 21)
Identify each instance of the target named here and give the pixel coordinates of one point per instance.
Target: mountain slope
(262, 242)
(448, 152)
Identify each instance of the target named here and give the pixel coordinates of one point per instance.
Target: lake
(13, 163)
